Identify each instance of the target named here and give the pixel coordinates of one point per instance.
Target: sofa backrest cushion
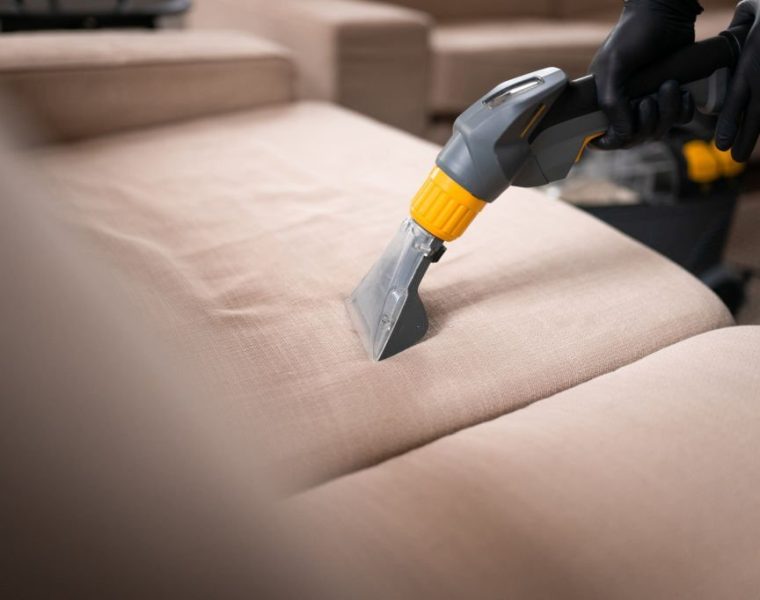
(448, 10)
(608, 10)
(86, 84)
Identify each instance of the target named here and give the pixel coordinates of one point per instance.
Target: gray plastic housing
(556, 149)
(490, 141)
(492, 146)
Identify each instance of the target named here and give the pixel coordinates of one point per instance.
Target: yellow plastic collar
(443, 207)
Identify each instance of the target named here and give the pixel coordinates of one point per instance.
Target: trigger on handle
(586, 141)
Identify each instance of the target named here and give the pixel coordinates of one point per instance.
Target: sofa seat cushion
(469, 58)
(644, 483)
(247, 232)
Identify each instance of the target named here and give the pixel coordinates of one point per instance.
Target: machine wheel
(729, 284)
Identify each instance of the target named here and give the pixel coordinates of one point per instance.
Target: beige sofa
(371, 57)
(227, 237)
(410, 62)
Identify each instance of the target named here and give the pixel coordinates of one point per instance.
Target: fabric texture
(610, 9)
(643, 483)
(381, 59)
(446, 10)
(85, 84)
(713, 20)
(469, 58)
(472, 56)
(587, 9)
(247, 232)
(373, 58)
(120, 479)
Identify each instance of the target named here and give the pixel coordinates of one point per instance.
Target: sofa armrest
(78, 85)
(368, 56)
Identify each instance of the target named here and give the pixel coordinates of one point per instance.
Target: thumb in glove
(739, 122)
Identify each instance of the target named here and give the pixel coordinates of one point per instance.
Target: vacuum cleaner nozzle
(527, 131)
(385, 308)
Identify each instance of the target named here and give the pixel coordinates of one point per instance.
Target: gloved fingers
(736, 121)
(658, 113)
(747, 136)
(648, 119)
(621, 128)
(730, 117)
(610, 92)
(670, 104)
(620, 115)
(739, 122)
(688, 108)
(647, 32)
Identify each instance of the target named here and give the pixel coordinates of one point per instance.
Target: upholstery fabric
(85, 84)
(446, 10)
(247, 232)
(120, 479)
(643, 483)
(373, 58)
(713, 21)
(587, 9)
(715, 18)
(610, 9)
(469, 58)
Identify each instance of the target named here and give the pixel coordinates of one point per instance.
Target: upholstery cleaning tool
(528, 131)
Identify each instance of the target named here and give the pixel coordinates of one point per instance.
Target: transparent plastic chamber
(388, 293)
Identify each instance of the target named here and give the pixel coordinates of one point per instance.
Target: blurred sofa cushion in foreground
(120, 478)
(240, 233)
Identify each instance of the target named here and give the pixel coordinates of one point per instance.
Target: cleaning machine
(528, 131)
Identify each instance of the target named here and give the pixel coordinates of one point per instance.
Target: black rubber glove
(647, 32)
(739, 121)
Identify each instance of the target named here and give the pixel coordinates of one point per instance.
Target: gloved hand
(647, 32)
(739, 121)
